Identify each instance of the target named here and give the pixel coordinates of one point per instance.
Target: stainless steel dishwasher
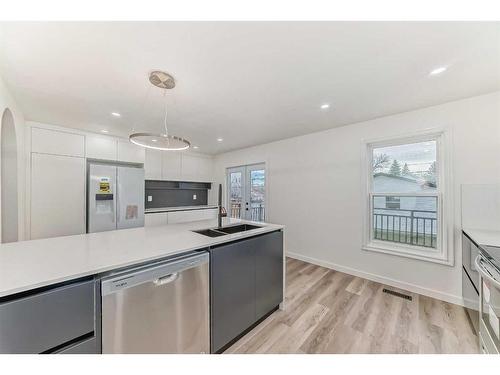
(158, 308)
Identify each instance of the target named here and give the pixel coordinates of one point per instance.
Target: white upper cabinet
(47, 141)
(196, 167)
(97, 147)
(152, 164)
(205, 169)
(130, 153)
(171, 165)
(189, 167)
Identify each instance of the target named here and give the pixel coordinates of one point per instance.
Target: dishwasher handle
(166, 279)
(159, 273)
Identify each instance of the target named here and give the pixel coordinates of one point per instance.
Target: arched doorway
(9, 178)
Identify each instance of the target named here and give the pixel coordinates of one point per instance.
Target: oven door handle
(486, 271)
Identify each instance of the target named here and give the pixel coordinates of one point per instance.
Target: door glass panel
(246, 187)
(235, 194)
(257, 194)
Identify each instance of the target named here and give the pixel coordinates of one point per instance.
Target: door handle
(166, 279)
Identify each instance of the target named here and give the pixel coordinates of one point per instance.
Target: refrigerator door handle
(117, 206)
(113, 218)
(117, 197)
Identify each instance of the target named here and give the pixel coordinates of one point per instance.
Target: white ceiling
(247, 82)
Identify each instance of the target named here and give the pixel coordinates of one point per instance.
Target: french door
(246, 192)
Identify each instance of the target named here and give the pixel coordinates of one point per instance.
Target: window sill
(413, 252)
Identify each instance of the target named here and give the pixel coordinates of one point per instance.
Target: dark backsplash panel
(176, 193)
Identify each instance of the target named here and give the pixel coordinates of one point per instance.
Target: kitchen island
(30, 268)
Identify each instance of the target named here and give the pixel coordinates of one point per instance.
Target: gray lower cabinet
(50, 321)
(246, 284)
(232, 273)
(268, 273)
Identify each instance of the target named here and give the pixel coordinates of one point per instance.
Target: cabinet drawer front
(155, 219)
(191, 215)
(88, 346)
(40, 322)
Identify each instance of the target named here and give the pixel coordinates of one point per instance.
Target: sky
(418, 156)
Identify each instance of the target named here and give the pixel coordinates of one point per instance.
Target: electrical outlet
(194, 197)
(150, 198)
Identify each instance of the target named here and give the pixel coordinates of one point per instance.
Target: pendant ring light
(165, 142)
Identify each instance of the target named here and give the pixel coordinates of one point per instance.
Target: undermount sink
(210, 232)
(237, 228)
(217, 232)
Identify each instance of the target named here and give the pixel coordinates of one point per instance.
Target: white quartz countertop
(31, 264)
(484, 237)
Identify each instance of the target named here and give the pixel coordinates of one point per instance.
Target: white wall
(315, 189)
(481, 206)
(8, 179)
(7, 101)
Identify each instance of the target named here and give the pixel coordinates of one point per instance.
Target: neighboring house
(398, 212)
(384, 183)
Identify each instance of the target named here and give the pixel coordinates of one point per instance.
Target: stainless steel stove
(488, 264)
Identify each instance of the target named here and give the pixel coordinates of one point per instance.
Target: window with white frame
(405, 197)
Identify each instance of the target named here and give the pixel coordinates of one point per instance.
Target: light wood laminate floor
(333, 312)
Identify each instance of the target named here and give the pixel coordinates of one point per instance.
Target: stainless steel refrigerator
(115, 197)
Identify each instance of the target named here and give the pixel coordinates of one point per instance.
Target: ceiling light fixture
(437, 71)
(325, 106)
(165, 141)
(196, 147)
(220, 139)
(116, 114)
(104, 131)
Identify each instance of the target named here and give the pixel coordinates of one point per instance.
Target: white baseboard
(458, 300)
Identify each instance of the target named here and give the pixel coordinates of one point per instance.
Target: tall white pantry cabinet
(57, 162)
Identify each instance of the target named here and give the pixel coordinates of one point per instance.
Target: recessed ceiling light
(154, 140)
(116, 114)
(325, 106)
(437, 71)
(195, 147)
(220, 139)
(104, 131)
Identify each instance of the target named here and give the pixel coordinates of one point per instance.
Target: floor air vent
(397, 294)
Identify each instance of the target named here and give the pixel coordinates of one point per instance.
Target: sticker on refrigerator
(132, 212)
(104, 185)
